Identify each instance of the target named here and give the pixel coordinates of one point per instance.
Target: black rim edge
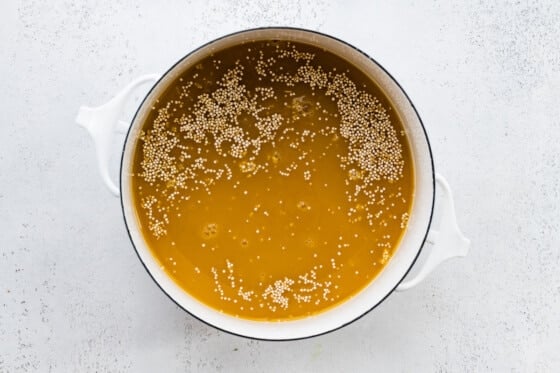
(407, 98)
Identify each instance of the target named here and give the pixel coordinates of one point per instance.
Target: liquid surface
(272, 180)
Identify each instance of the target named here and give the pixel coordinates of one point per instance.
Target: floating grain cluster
(273, 180)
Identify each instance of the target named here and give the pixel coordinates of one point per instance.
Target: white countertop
(486, 81)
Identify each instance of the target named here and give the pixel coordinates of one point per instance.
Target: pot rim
(279, 28)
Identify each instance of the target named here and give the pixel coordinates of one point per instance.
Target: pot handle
(102, 123)
(447, 242)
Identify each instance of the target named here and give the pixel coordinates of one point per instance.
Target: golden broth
(272, 180)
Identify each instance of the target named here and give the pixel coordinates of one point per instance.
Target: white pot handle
(103, 122)
(447, 242)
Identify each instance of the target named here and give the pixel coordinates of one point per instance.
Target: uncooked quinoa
(272, 180)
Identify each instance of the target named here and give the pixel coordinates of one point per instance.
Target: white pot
(102, 123)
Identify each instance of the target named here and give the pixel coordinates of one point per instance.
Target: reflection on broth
(272, 180)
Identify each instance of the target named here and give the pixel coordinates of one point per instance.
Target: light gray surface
(486, 81)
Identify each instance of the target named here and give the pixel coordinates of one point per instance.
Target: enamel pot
(442, 242)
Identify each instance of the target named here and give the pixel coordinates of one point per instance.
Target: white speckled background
(486, 81)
